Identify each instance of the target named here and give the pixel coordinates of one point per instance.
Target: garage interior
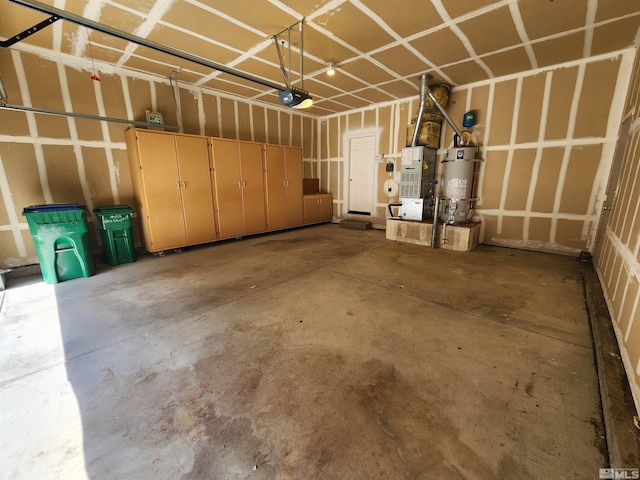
(303, 349)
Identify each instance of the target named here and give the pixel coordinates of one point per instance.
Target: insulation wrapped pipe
(442, 111)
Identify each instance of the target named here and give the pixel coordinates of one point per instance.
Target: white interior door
(361, 173)
(612, 188)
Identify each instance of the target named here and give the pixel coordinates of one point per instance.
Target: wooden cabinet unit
(239, 188)
(197, 197)
(191, 189)
(283, 184)
(172, 190)
(318, 208)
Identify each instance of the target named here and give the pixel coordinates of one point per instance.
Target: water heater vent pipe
(424, 89)
(444, 112)
(425, 92)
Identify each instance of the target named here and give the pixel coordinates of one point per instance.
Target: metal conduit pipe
(424, 88)
(434, 228)
(78, 20)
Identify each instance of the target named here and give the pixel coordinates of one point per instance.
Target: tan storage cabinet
(318, 208)
(283, 182)
(238, 186)
(172, 189)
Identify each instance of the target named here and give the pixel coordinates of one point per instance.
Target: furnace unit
(417, 175)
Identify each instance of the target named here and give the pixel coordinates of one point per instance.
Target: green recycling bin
(62, 241)
(117, 234)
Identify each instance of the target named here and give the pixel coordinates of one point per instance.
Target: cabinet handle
(184, 185)
(284, 184)
(244, 184)
(178, 185)
(239, 184)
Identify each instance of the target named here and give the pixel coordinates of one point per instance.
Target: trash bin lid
(109, 209)
(54, 207)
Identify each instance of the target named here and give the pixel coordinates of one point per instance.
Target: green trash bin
(62, 241)
(116, 232)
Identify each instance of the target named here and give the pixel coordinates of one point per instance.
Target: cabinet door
(274, 165)
(159, 168)
(252, 187)
(293, 178)
(325, 208)
(228, 192)
(311, 209)
(193, 165)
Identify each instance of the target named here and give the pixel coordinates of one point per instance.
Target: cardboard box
(310, 186)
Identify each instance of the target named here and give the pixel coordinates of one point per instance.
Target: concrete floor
(320, 352)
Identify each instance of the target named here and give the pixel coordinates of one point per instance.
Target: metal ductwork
(425, 92)
(443, 112)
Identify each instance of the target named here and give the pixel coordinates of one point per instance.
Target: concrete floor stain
(315, 414)
(325, 370)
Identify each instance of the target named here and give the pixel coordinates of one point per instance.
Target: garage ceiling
(380, 47)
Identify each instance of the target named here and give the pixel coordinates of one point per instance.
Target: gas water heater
(460, 173)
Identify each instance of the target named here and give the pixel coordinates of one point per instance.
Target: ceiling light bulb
(331, 70)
